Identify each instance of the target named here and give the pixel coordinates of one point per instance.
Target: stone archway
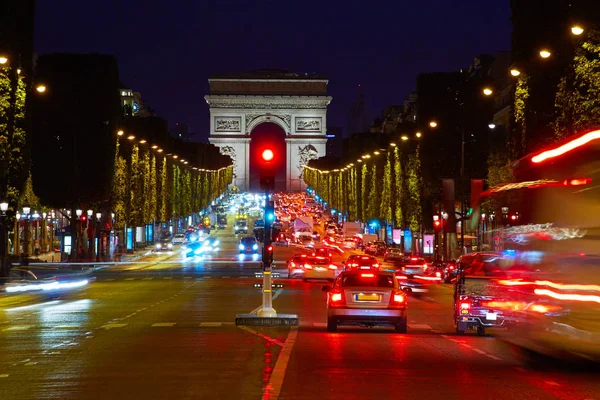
(295, 103)
(271, 135)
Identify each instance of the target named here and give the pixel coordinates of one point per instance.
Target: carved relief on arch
(253, 120)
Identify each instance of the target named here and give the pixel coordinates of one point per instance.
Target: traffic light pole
(267, 309)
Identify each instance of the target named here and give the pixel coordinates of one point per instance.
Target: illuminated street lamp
(40, 88)
(78, 212)
(545, 53)
(120, 133)
(3, 60)
(90, 213)
(131, 137)
(487, 91)
(404, 137)
(576, 30)
(515, 72)
(492, 126)
(433, 124)
(393, 144)
(418, 134)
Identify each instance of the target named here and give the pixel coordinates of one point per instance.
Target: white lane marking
(111, 326)
(30, 363)
(206, 277)
(168, 277)
(494, 357)
(18, 328)
(454, 340)
(163, 324)
(320, 324)
(445, 336)
(552, 383)
(273, 388)
(148, 279)
(419, 326)
(244, 277)
(479, 351)
(465, 345)
(109, 280)
(129, 279)
(4, 375)
(210, 324)
(67, 327)
(225, 277)
(187, 277)
(267, 338)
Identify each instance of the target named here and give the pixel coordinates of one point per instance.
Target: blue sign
(129, 239)
(407, 240)
(388, 229)
(150, 233)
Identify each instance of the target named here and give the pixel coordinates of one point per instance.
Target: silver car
(366, 298)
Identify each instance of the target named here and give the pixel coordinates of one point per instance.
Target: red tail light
(336, 299)
(292, 264)
(376, 265)
(464, 307)
(398, 299)
(331, 266)
(424, 267)
(307, 266)
(367, 275)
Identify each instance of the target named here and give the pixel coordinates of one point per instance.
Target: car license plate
(365, 267)
(491, 316)
(320, 269)
(367, 297)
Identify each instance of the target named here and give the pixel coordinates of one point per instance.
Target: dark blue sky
(167, 52)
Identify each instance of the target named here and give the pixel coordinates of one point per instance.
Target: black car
(248, 244)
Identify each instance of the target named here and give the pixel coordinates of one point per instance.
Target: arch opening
(268, 135)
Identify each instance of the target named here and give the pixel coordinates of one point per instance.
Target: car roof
(358, 272)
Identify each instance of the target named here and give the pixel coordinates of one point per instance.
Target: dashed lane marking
(4, 375)
(129, 279)
(187, 277)
(479, 351)
(210, 324)
(163, 324)
(108, 280)
(17, 328)
(225, 277)
(552, 383)
(168, 277)
(148, 279)
(67, 327)
(112, 326)
(273, 388)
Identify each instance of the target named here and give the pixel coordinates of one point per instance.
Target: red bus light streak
(565, 148)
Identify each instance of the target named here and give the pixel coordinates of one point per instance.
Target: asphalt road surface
(163, 328)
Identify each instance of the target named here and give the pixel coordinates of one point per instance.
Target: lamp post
(89, 234)
(98, 236)
(75, 234)
(3, 239)
(25, 215)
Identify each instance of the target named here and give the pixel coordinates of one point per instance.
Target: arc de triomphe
(296, 103)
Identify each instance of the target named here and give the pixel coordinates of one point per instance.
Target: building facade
(296, 103)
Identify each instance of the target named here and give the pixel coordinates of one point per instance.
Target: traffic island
(255, 320)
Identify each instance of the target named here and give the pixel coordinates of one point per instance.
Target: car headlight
(254, 246)
(216, 243)
(170, 245)
(158, 246)
(198, 251)
(241, 246)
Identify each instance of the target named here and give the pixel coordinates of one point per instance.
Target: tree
(578, 97)
(119, 189)
(386, 203)
(399, 192)
(373, 193)
(413, 185)
(364, 196)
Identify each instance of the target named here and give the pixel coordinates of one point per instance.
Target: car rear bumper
(366, 315)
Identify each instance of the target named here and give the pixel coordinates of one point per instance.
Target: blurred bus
(548, 241)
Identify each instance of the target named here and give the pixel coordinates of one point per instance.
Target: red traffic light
(267, 155)
(270, 249)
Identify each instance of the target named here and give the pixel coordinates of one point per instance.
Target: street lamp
(40, 88)
(4, 241)
(3, 60)
(487, 91)
(78, 212)
(90, 213)
(576, 30)
(515, 72)
(120, 133)
(404, 138)
(492, 126)
(545, 53)
(418, 134)
(433, 124)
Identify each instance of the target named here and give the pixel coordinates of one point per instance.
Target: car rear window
(383, 281)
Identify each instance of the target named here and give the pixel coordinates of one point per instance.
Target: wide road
(163, 328)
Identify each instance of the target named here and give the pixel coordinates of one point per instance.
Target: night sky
(168, 52)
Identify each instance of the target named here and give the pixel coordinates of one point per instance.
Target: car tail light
(398, 299)
(336, 299)
(438, 274)
(367, 275)
(413, 259)
(451, 267)
(376, 265)
(464, 307)
(307, 266)
(424, 267)
(293, 264)
(331, 266)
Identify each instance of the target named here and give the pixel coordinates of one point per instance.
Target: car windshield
(248, 240)
(367, 280)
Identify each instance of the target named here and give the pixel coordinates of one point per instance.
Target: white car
(320, 268)
(179, 239)
(366, 298)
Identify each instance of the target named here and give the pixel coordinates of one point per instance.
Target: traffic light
(437, 223)
(267, 256)
(267, 170)
(269, 212)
